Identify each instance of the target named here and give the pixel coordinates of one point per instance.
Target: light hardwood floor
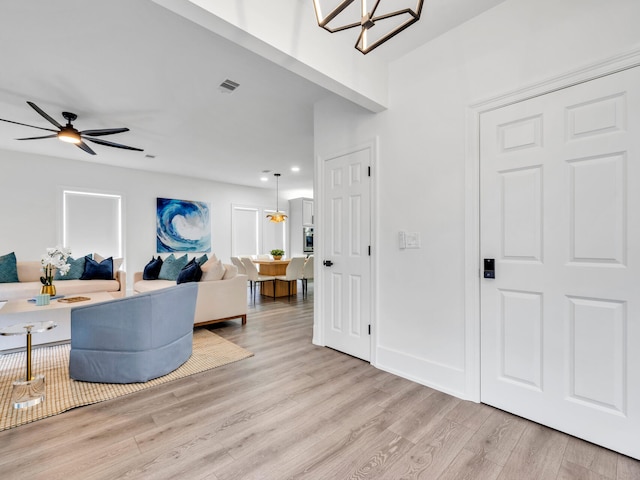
(295, 410)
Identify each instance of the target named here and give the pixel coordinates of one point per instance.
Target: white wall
(421, 170)
(30, 187)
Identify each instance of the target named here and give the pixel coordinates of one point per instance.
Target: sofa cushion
(76, 269)
(190, 273)
(8, 268)
(212, 270)
(152, 269)
(78, 287)
(143, 286)
(97, 271)
(24, 290)
(171, 267)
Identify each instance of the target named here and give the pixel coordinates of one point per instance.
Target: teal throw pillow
(75, 271)
(202, 260)
(8, 268)
(171, 267)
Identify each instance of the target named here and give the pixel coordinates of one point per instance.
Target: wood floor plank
(573, 471)
(265, 448)
(433, 407)
(628, 468)
(597, 459)
(497, 436)
(471, 415)
(338, 448)
(433, 454)
(537, 455)
(470, 465)
(376, 458)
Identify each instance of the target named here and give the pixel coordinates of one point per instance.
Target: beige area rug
(62, 393)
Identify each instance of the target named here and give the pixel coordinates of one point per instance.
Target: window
(244, 231)
(253, 234)
(92, 222)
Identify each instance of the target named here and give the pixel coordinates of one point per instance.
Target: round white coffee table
(30, 391)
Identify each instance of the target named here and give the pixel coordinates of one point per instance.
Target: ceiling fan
(69, 134)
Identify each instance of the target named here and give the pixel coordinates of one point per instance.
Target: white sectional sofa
(29, 284)
(218, 300)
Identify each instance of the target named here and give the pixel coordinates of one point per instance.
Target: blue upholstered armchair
(133, 339)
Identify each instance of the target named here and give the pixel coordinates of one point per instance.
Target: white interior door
(560, 214)
(346, 239)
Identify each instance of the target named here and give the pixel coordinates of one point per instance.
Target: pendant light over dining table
(377, 24)
(277, 216)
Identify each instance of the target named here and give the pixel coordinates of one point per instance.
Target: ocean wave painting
(182, 226)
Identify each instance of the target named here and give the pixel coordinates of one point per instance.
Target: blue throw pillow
(75, 271)
(190, 273)
(8, 268)
(97, 271)
(171, 267)
(202, 260)
(152, 269)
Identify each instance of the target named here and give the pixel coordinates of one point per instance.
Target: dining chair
(293, 272)
(307, 273)
(238, 263)
(255, 277)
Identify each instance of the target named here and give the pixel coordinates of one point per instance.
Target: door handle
(327, 263)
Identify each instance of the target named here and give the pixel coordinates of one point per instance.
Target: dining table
(275, 268)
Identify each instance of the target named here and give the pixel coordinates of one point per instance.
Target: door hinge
(368, 171)
(369, 329)
(369, 250)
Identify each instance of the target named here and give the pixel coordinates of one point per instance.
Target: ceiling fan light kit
(68, 133)
(336, 16)
(69, 136)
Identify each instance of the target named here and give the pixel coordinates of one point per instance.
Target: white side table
(30, 391)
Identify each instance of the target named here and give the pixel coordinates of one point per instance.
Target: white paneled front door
(560, 214)
(346, 262)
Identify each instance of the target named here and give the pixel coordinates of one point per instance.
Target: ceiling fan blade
(103, 131)
(36, 138)
(111, 144)
(44, 114)
(26, 125)
(85, 147)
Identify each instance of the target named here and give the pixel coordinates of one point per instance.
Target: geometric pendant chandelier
(377, 24)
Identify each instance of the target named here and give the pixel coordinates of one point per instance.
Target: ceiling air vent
(228, 86)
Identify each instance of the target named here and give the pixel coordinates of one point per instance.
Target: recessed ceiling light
(295, 169)
(264, 179)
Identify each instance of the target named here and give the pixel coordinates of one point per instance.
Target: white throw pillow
(212, 271)
(207, 265)
(230, 271)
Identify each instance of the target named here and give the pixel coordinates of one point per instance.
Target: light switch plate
(413, 240)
